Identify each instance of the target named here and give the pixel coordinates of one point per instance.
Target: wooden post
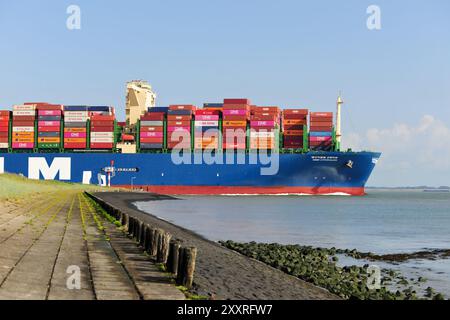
(149, 242)
(131, 226)
(125, 221)
(186, 266)
(172, 260)
(163, 247)
(142, 234)
(155, 240)
(137, 230)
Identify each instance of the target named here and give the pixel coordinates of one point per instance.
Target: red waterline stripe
(217, 190)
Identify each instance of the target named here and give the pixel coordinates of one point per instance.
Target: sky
(395, 81)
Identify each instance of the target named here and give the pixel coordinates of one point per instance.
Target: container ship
(227, 148)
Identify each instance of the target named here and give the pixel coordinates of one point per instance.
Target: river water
(384, 221)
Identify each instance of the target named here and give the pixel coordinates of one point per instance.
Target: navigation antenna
(339, 103)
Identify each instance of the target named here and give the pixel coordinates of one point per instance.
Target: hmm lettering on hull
(59, 166)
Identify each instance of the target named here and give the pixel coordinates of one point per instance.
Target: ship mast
(339, 103)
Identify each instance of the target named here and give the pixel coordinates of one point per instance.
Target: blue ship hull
(310, 173)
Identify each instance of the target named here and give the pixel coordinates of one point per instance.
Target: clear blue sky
(396, 81)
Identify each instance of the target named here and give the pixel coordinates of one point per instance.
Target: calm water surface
(381, 222)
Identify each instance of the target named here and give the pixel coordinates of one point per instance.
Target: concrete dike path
(57, 246)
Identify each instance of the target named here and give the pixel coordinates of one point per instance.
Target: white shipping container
(102, 134)
(4, 145)
(206, 123)
(23, 107)
(75, 119)
(24, 113)
(76, 114)
(102, 140)
(268, 134)
(23, 129)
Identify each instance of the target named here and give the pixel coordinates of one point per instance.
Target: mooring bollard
(163, 247)
(172, 259)
(186, 266)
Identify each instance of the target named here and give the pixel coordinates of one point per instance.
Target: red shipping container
(293, 138)
(321, 114)
(237, 101)
(49, 107)
(152, 140)
(101, 145)
(296, 111)
(102, 129)
(102, 118)
(265, 109)
(293, 132)
(209, 112)
(48, 129)
(179, 145)
(98, 123)
(182, 107)
(3, 134)
(4, 123)
(292, 127)
(152, 129)
(235, 118)
(74, 145)
(321, 128)
(24, 118)
(4, 118)
(295, 117)
(320, 123)
(263, 118)
(179, 118)
(4, 129)
(153, 117)
(23, 123)
(5, 113)
(178, 123)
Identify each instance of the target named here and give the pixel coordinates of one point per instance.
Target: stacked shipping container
(24, 117)
(236, 114)
(294, 122)
(179, 119)
(264, 127)
(4, 129)
(321, 131)
(152, 133)
(49, 126)
(75, 127)
(207, 129)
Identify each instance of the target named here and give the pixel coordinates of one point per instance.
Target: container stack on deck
(75, 127)
(4, 129)
(151, 134)
(102, 127)
(236, 113)
(264, 128)
(321, 131)
(24, 117)
(207, 129)
(294, 123)
(49, 126)
(179, 126)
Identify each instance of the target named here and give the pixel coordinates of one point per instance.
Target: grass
(14, 187)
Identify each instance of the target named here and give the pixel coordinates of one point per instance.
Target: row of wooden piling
(159, 244)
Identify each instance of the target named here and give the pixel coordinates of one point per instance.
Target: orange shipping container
(49, 140)
(75, 140)
(77, 130)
